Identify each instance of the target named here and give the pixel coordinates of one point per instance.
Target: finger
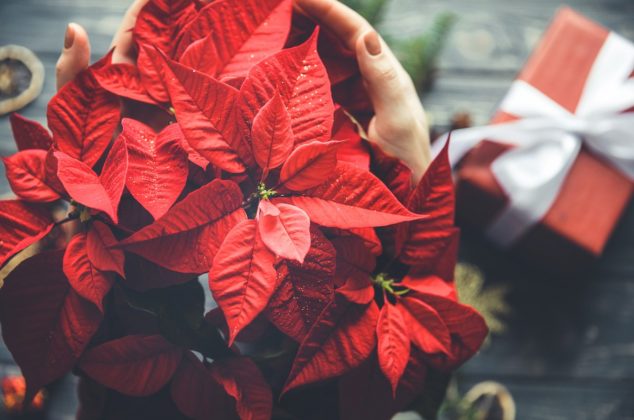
(122, 41)
(390, 88)
(75, 56)
(338, 18)
(399, 112)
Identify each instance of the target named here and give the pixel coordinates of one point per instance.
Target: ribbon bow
(548, 138)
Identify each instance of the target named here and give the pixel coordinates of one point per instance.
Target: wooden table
(569, 352)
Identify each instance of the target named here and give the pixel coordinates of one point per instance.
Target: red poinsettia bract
(222, 153)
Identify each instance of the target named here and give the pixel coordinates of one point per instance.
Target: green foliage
(180, 314)
(371, 10)
(419, 55)
(490, 301)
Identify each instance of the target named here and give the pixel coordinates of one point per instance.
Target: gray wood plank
(569, 353)
(580, 331)
(40, 25)
(489, 44)
(566, 400)
(562, 327)
(497, 35)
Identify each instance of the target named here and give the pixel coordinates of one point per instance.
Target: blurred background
(563, 346)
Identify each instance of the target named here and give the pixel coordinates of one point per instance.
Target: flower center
(265, 193)
(389, 284)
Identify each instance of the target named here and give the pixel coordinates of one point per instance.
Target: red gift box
(593, 196)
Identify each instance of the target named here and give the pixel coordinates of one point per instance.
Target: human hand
(75, 55)
(399, 126)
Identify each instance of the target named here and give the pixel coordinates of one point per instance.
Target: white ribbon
(548, 138)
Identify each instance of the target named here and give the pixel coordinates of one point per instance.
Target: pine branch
(489, 301)
(419, 55)
(372, 10)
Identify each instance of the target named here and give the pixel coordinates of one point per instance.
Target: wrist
(418, 159)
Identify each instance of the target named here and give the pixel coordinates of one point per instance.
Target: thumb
(75, 56)
(387, 83)
(399, 126)
(123, 42)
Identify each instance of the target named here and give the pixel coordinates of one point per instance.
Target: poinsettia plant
(222, 153)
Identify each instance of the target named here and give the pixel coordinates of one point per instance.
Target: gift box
(556, 104)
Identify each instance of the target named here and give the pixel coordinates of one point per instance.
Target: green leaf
(419, 55)
(180, 312)
(180, 309)
(372, 10)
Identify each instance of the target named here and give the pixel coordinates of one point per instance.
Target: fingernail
(372, 43)
(69, 37)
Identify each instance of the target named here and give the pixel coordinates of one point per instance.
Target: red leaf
(365, 393)
(194, 157)
(151, 73)
(99, 246)
(435, 254)
(135, 365)
(83, 276)
(272, 134)
(352, 198)
(96, 192)
(143, 275)
(188, 236)
(158, 165)
(393, 173)
(26, 173)
(425, 284)
(355, 264)
(342, 338)
(123, 80)
(45, 323)
(50, 173)
(285, 230)
(305, 289)
(83, 117)
(468, 331)
(253, 332)
(301, 80)
(113, 174)
(354, 149)
(205, 109)
(427, 328)
(309, 165)
(203, 56)
(243, 276)
(132, 216)
(29, 134)
(242, 380)
(434, 197)
(393, 343)
(352, 94)
(21, 224)
(370, 238)
(263, 29)
(339, 60)
(197, 393)
(160, 21)
(467, 328)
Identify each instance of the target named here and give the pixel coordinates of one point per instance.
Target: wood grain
(569, 352)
